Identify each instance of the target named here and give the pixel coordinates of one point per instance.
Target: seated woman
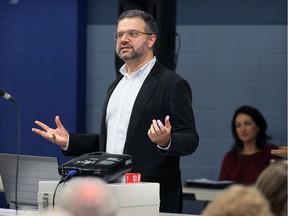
(251, 153)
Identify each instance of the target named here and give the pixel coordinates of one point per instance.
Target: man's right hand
(58, 136)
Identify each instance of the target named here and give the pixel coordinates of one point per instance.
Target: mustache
(125, 46)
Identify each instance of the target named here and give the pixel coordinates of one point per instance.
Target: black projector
(103, 165)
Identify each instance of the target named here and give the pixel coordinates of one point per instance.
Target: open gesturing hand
(58, 136)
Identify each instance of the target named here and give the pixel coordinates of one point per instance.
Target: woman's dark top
(244, 169)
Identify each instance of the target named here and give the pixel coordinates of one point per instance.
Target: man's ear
(152, 40)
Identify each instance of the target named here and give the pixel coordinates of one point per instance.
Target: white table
(9, 212)
(199, 194)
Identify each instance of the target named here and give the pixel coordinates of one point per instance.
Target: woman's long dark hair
(262, 137)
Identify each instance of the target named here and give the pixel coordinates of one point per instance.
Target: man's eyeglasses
(129, 34)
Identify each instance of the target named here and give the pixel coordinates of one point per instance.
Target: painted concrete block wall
(226, 66)
(232, 53)
(229, 66)
(41, 56)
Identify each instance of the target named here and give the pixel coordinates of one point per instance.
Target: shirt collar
(139, 72)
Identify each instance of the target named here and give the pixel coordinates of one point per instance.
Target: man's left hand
(159, 133)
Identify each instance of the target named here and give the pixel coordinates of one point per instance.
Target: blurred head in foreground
(238, 200)
(88, 196)
(272, 182)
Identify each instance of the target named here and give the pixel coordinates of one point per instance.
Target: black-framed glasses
(129, 34)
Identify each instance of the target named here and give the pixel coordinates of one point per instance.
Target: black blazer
(163, 93)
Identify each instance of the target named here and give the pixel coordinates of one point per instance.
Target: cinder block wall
(229, 61)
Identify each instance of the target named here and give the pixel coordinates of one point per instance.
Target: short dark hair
(151, 25)
(262, 137)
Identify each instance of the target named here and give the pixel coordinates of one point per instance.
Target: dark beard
(134, 54)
